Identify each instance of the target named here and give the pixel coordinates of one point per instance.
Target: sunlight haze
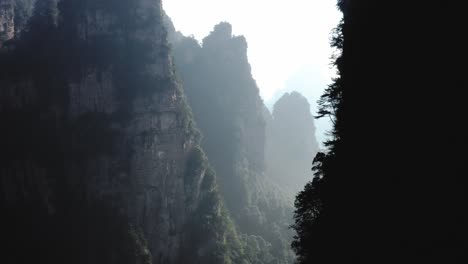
(284, 38)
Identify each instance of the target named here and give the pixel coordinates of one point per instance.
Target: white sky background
(285, 38)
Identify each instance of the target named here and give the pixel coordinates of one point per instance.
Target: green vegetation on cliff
(96, 120)
(229, 112)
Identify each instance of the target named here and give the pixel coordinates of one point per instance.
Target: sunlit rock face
(229, 112)
(7, 15)
(14, 15)
(227, 108)
(112, 128)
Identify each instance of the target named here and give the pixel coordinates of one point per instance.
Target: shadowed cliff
(100, 160)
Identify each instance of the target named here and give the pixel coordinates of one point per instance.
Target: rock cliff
(291, 143)
(94, 115)
(229, 111)
(14, 15)
(7, 15)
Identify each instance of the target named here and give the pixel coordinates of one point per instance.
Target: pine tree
(311, 203)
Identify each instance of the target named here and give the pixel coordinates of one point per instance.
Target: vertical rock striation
(95, 114)
(7, 16)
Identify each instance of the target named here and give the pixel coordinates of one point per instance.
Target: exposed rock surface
(14, 15)
(114, 128)
(7, 25)
(229, 112)
(291, 143)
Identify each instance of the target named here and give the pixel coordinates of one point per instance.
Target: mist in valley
(217, 132)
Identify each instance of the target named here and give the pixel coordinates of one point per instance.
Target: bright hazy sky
(285, 38)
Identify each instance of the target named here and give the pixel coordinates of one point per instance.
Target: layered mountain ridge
(101, 157)
(239, 137)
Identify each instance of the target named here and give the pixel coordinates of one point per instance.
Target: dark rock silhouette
(387, 193)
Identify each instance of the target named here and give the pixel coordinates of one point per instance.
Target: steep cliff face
(7, 15)
(291, 143)
(14, 15)
(229, 111)
(94, 114)
(226, 105)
